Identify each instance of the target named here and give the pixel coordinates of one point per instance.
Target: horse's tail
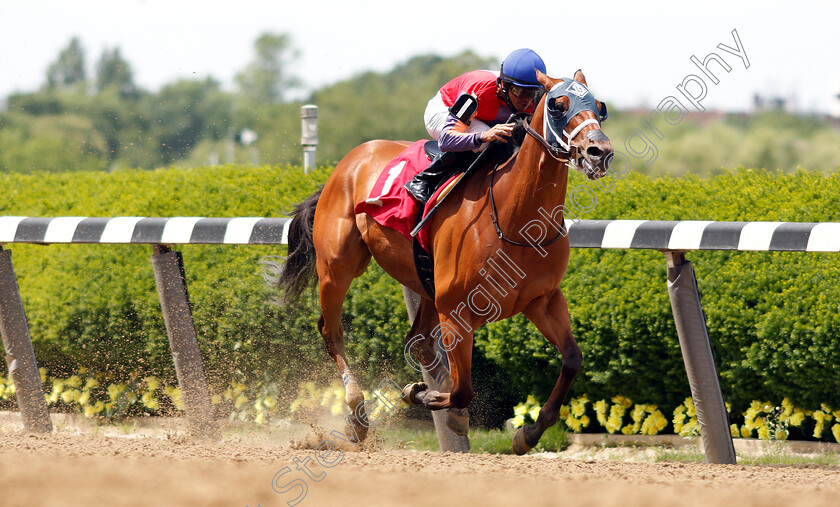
(298, 271)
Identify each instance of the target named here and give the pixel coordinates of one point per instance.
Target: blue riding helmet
(519, 68)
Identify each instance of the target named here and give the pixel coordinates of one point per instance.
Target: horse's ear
(545, 80)
(579, 77)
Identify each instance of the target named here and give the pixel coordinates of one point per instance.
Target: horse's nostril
(594, 152)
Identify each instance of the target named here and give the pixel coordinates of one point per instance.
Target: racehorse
(498, 242)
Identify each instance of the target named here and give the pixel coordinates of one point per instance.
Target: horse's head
(572, 125)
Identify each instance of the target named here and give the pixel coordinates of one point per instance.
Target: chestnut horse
(498, 244)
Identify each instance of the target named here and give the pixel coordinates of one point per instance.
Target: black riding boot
(424, 184)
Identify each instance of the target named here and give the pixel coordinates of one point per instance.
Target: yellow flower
(617, 411)
(270, 401)
(152, 383)
(787, 408)
(659, 420)
(623, 401)
(565, 412)
(57, 387)
(70, 395)
(149, 400)
(733, 430)
(647, 427)
(534, 413)
(613, 424)
(797, 418)
(689, 429)
(627, 430)
(91, 383)
(215, 399)
(530, 400)
(43, 371)
(746, 432)
(174, 394)
(520, 409)
(579, 407)
(84, 398)
(115, 390)
(518, 421)
(763, 433)
(73, 381)
(637, 413)
(690, 410)
(835, 430)
(240, 400)
(260, 418)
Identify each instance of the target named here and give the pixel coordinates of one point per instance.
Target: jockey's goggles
(524, 92)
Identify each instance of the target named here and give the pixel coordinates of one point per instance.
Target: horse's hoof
(458, 420)
(410, 392)
(359, 430)
(520, 447)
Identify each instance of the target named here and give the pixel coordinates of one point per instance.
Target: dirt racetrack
(110, 467)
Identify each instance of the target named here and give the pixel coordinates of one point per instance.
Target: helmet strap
(504, 94)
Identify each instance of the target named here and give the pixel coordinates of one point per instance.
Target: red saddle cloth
(390, 204)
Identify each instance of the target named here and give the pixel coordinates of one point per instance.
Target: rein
(559, 154)
(494, 217)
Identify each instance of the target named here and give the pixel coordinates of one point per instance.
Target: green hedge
(96, 306)
(772, 317)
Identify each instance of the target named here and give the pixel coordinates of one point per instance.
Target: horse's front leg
(551, 316)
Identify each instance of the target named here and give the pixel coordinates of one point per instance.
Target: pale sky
(633, 53)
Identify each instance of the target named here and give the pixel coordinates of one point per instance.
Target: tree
(113, 70)
(186, 111)
(69, 69)
(267, 78)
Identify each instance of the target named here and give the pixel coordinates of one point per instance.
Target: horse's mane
(502, 151)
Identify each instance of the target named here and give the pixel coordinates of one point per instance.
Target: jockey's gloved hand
(499, 132)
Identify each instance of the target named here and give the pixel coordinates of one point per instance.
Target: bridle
(557, 145)
(556, 141)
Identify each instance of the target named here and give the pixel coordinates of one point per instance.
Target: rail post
(309, 135)
(20, 356)
(177, 315)
(699, 360)
(448, 439)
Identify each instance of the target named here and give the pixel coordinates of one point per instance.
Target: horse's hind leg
(420, 342)
(551, 316)
(342, 256)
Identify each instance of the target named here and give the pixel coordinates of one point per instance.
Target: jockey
(471, 110)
